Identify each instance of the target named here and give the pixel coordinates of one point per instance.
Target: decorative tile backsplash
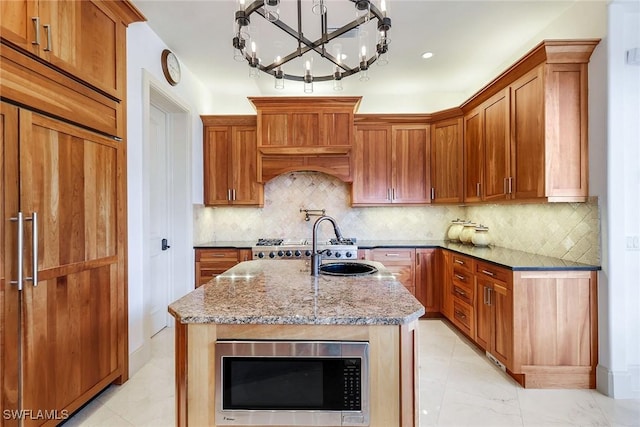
(569, 231)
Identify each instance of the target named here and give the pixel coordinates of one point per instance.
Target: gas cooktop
(278, 248)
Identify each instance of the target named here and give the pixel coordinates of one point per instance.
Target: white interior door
(159, 208)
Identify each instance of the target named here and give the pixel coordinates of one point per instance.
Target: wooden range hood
(305, 134)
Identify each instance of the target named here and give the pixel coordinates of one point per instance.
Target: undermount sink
(347, 269)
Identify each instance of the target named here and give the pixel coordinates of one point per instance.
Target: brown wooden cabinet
(427, 280)
(447, 166)
(211, 262)
(526, 132)
(487, 153)
(494, 311)
(462, 290)
(74, 321)
(299, 133)
(83, 38)
(64, 340)
(391, 165)
(230, 156)
(400, 262)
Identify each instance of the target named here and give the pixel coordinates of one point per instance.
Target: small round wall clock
(170, 67)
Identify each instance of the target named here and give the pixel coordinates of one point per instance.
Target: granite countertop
(509, 258)
(284, 293)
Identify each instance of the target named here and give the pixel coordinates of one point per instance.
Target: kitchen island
(262, 300)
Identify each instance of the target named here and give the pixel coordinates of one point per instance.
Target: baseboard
(620, 384)
(139, 358)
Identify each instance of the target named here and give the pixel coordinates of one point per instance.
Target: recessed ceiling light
(427, 55)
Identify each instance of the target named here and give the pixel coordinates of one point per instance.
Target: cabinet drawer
(462, 292)
(463, 317)
(462, 277)
(394, 255)
(489, 270)
(217, 255)
(462, 262)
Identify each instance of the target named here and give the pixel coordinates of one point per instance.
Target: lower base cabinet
(541, 325)
(211, 262)
(400, 262)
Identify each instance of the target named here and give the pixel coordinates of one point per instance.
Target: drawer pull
(391, 254)
(459, 292)
(217, 255)
(460, 277)
(459, 261)
(488, 273)
(460, 314)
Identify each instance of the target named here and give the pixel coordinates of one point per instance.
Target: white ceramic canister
(467, 232)
(455, 228)
(481, 236)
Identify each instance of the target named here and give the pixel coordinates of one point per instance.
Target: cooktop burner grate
(269, 242)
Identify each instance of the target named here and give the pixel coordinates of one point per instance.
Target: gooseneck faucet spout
(316, 256)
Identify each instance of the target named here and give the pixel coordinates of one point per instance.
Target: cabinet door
(336, 128)
(83, 38)
(400, 262)
(17, 24)
(446, 299)
(212, 262)
(427, 285)
(372, 172)
(483, 313)
(496, 147)
(446, 161)
(473, 156)
(244, 155)
(410, 160)
(303, 129)
(70, 177)
(528, 144)
(217, 164)
(502, 307)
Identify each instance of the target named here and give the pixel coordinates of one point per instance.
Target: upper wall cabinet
(82, 38)
(526, 132)
(229, 152)
(305, 134)
(391, 164)
(446, 161)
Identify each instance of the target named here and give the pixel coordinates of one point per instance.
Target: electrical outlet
(633, 243)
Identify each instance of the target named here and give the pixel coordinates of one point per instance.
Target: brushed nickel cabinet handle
(489, 292)
(460, 277)
(510, 185)
(458, 261)
(459, 292)
(36, 24)
(47, 28)
(388, 194)
(393, 194)
(488, 273)
(20, 220)
(461, 315)
(34, 249)
(391, 254)
(478, 189)
(433, 193)
(233, 194)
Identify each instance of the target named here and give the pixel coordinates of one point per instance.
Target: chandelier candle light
(247, 45)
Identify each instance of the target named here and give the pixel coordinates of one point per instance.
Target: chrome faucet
(316, 256)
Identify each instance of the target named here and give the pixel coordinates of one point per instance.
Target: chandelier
(344, 50)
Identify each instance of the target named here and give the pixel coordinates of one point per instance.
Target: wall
(619, 328)
(564, 230)
(144, 69)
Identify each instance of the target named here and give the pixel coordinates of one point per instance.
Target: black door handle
(165, 245)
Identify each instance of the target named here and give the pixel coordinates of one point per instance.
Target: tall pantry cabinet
(63, 290)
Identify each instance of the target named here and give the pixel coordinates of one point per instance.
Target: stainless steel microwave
(292, 383)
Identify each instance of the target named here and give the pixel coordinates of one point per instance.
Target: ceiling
(472, 41)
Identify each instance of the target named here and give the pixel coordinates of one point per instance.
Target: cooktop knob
(349, 254)
(288, 253)
(260, 254)
(297, 253)
(329, 253)
(272, 254)
(338, 255)
(307, 253)
(280, 253)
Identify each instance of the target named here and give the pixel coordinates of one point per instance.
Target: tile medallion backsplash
(569, 231)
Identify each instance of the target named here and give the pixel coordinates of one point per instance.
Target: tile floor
(458, 386)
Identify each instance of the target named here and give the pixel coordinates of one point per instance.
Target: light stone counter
(283, 293)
